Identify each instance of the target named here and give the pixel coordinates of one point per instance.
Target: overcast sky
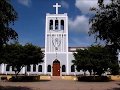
(31, 20)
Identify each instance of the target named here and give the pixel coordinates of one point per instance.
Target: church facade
(58, 56)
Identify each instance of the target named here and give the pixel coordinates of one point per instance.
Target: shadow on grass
(14, 88)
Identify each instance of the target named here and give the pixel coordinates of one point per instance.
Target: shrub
(3, 78)
(24, 78)
(94, 78)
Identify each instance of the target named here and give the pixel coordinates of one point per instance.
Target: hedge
(94, 78)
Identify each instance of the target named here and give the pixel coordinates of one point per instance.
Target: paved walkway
(60, 85)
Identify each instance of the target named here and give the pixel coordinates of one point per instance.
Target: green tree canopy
(105, 24)
(33, 54)
(97, 59)
(19, 56)
(82, 60)
(7, 16)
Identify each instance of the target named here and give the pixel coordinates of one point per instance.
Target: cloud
(81, 42)
(79, 24)
(85, 5)
(64, 4)
(25, 2)
(78, 42)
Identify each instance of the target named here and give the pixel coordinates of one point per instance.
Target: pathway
(60, 85)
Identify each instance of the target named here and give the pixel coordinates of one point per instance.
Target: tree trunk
(25, 71)
(90, 73)
(16, 74)
(84, 73)
(94, 75)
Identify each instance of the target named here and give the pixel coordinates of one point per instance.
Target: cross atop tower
(57, 6)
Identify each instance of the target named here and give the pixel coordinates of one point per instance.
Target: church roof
(72, 49)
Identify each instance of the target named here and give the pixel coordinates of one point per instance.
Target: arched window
(34, 68)
(8, 68)
(72, 68)
(51, 25)
(56, 24)
(40, 68)
(49, 68)
(62, 25)
(28, 68)
(63, 68)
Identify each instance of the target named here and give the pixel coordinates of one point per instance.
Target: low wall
(69, 77)
(5, 76)
(44, 77)
(39, 77)
(47, 77)
(115, 77)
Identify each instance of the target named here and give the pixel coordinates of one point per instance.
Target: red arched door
(56, 68)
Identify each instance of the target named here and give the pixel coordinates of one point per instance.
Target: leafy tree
(7, 16)
(19, 56)
(13, 56)
(105, 23)
(82, 60)
(33, 55)
(97, 59)
(114, 64)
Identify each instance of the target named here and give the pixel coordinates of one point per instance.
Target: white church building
(58, 56)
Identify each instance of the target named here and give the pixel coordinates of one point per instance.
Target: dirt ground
(60, 85)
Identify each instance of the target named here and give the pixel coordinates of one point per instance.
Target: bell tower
(56, 38)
